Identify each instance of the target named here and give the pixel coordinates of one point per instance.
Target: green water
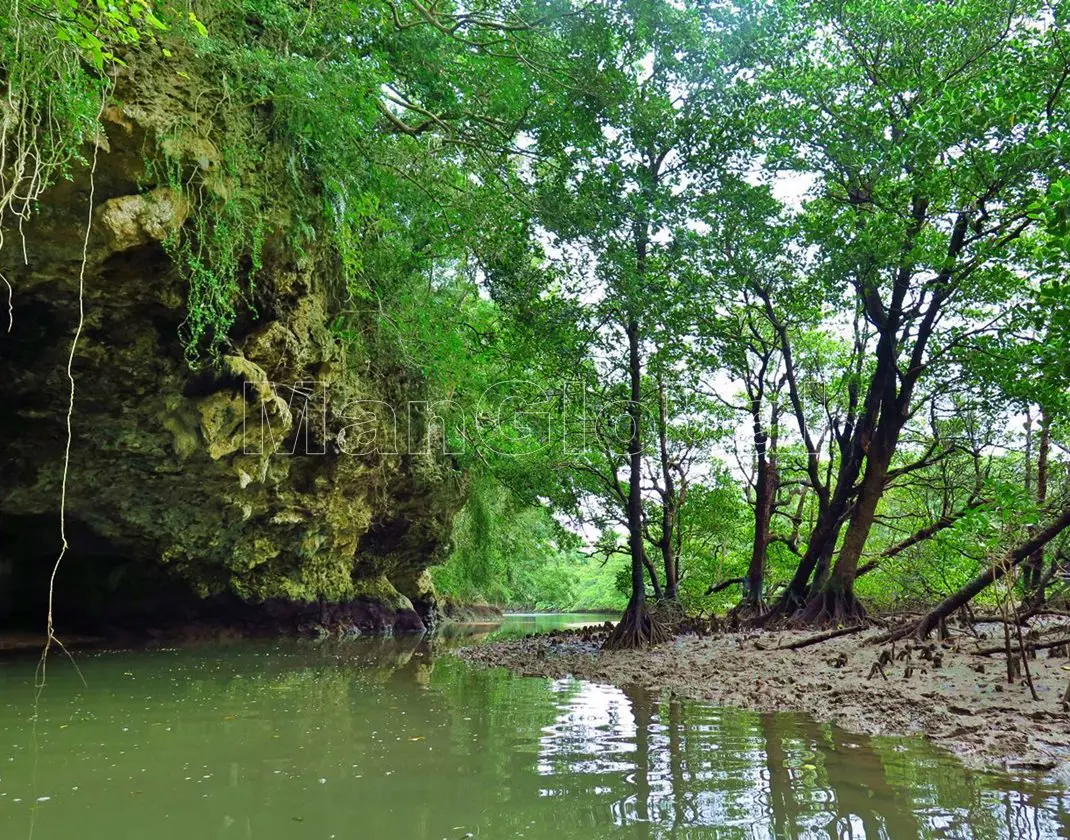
(400, 741)
(526, 624)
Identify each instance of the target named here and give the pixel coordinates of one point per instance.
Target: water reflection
(390, 739)
(514, 625)
(687, 769)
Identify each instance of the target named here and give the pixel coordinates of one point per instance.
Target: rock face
(226, 492)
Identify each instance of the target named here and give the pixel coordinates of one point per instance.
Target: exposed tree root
(637, 628)
(669, 613)
(779, 613)
(830, 609)
(748, 613)
(1032, 646)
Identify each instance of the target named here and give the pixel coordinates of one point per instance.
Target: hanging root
(637, 628)
(10, 303)
(50, 637)
(34, 146)
(831, 609)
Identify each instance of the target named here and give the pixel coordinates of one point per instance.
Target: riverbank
(947, 692)
(229, 619)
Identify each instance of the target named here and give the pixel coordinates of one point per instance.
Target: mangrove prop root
(637, 629)
(831, 608)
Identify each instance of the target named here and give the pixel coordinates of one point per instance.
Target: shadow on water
(391, 739)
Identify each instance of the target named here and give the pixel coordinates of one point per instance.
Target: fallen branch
(1024, 617)
(919, 536)
(990, 575)
(988, 651)
(823, 637)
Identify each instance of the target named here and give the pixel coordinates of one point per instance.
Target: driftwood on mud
(823, 637)
(988, 651)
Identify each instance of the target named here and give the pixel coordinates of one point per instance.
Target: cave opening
(100, 588)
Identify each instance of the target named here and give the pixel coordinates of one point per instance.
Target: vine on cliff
(219, 250)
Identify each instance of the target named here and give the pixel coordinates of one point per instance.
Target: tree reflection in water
(391, 740)
(682, 770)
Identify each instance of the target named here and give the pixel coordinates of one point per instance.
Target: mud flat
(946, 691)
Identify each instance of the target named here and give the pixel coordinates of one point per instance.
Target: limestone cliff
(178, 505)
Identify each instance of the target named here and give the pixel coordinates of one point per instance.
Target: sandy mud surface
(943, 690)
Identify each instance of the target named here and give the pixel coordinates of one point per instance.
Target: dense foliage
(802, 264)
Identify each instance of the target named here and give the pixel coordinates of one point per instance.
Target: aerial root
(50, 638)
(10, 303)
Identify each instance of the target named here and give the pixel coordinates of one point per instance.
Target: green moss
(382, 591)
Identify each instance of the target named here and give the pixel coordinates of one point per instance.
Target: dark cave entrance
(99, 588)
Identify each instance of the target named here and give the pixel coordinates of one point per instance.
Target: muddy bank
(945, 691)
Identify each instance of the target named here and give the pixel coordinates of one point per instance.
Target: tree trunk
(637, 628)
(834, 602)
(826, 531)
(668, 498)
(875, 440)
(822, 541)
(652, 571)
(766, 481)
(1033, 571)
(765, 492)
(821, 544)
(990, 575)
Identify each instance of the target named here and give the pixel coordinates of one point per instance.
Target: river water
(397, 740)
